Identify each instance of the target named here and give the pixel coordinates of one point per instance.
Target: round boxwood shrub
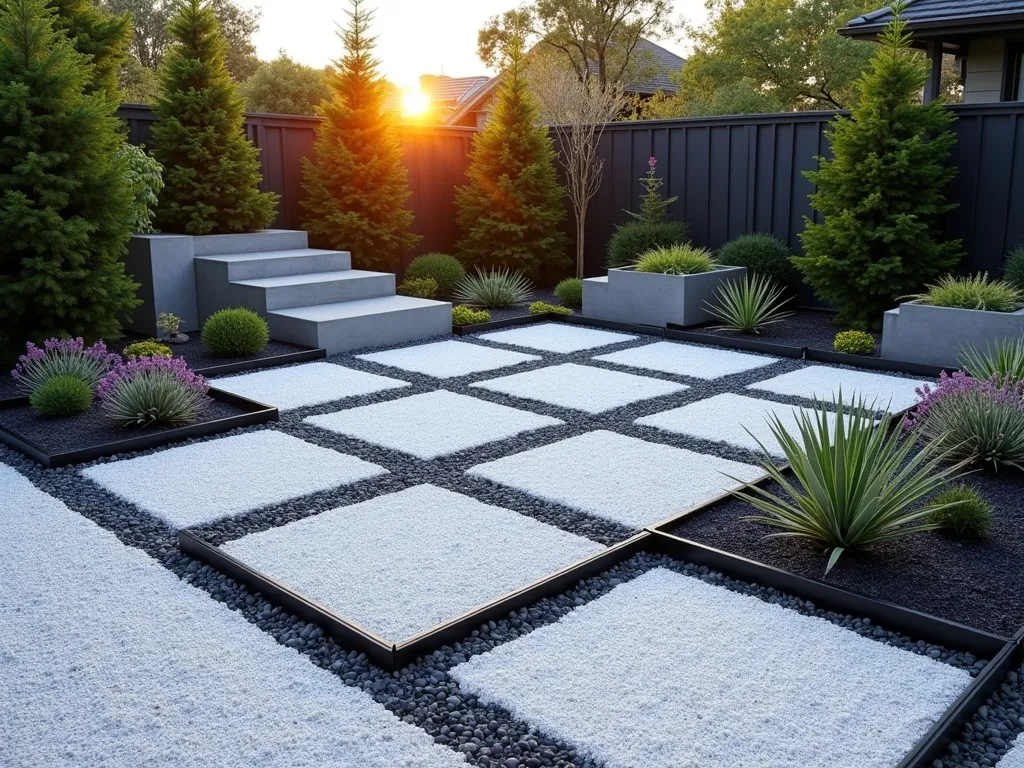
(147, 349)
(678, 260)
(762, 255)
(632, 240)
(570, 292)
(968, 518)
(62, 395)
(854, 342)
(443, 269)
(235, 333)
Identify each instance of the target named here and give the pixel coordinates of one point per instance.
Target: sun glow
(415, 102)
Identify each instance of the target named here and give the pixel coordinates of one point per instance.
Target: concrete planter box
(651, 298)
(921, 333)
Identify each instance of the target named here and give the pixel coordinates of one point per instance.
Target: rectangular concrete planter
(921, 333)
(651, 298)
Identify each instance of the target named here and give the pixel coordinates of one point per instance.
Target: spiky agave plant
(748, 305)
(1002, 360)
(493, 288)
(854, 483)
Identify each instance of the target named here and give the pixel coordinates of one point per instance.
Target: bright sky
(414, 37)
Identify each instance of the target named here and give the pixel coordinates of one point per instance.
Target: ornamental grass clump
(748, 305)
(963, 514)
(62, 395)
(153, 391)
(1003, 360)
(632, 240)
(854, 484)
(494, 288)
(63, 357)
(570, 292)
(678, 260)
(972, 292)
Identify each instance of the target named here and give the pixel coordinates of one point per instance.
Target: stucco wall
(984, 82)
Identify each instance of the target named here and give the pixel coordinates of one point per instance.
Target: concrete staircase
(310, 296)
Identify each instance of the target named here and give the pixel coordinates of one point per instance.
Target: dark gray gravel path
(806, 328)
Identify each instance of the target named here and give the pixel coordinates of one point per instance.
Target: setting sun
(415, 102)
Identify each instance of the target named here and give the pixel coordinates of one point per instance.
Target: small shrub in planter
(854, 343)
(494, 288)
(63, 357)
(634, 239)
(1013, 267)
(463, 315)
(972, 292)
(762, 255)
(61, 395)
(678, 260)
(1002, 360)
(570, 292)
(421, 288)
(147, 349)
(542, 307)
(961, 513)
(443, 269)
(235, 333)
(171, 325)
(153, 391)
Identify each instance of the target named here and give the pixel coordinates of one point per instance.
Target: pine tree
(511, 211)
(100, 35)
(211, 171)
(356, 190)
(64, 201)
(883, 192)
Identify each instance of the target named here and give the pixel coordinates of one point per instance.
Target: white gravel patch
(304, 385)
(432, 424)
(1014, 758)
(453, 555)
(108, 659)
(581, 387)
(203, 482)
(619, 478)
(668, 671)
(822, 382)
(557, 337)
(448, 359)
(726, 419)
(687, 360)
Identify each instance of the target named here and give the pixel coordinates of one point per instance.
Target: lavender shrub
(151, 391)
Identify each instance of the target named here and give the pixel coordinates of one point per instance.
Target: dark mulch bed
(806, 328)
(978, 583)
(196, 356)
(88, 429)
(8, 388)
(521, 310)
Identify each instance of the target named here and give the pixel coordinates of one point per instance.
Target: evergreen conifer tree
(65, 204)
(511, 212)
(883, 192)
(356, 190)
(211, 171)
(100, 35)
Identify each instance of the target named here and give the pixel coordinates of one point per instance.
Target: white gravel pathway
(432, 424)
(404, 562)
(1014, 758)
(619, 478)
(304, 385)
(203, 482)
(822, 382)
(687, 360)
(108, 660)
(556, 337)
(448, 359)
(667, 671)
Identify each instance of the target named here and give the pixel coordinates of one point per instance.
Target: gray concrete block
(306, 290)
(262, 264)
(920, 333)
(250, 242)
(163, 265)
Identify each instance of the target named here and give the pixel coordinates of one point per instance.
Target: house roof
(927, 17)
(453, 90)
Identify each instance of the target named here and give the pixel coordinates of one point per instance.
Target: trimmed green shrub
(961, 512)
(443, 269)
(494, 288)
(149, 348)
(62, 395)
(1013, 267)
(678, 260)
(972, 292)
(748, 305)
(424, 288)
(542, 307)
(570, 292)
(854, 342)
(762, 255)
(632, 240)
(235, 333)
(463, 315)
(1002, 360)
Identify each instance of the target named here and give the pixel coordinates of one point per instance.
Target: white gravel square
(203, 482)
(822, 382)
(619, 478)
(108, 659)
(667, 671)
(687, 360)
(402, 563)
(448, 359)
(726, 418)
(581, 387)
(432, 424)
(1014, 758)
(304, 385)
(556, 337)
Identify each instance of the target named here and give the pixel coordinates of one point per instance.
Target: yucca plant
(854, 484)
(749, 305)
(1002, 360)
(493, 288)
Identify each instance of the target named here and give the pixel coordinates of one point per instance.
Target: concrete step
(345, 326)
(268, 293)
(267, 240)
(255, 266)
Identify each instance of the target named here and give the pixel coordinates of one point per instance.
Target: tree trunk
(581, 220)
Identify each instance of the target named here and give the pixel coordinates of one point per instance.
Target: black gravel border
(991, 732)
(814, 328)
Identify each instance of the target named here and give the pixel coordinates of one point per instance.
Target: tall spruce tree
(511, 212)
(211, 171)
(65, 204)
(356, 190)
(882, 194)
(100, 35)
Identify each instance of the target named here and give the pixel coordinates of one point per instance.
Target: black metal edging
(872, 363)
(497, 325)
(302, 356)
(254, 413)
(611, 325)
(558, 317)
(733, 342)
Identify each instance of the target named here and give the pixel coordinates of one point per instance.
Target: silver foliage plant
(493, 288)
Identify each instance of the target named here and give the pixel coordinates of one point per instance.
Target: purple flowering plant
(148, 391)
(63, 357)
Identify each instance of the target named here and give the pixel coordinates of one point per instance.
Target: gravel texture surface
(992, 737)
(523, 310)
(448, 359)
(635, 679)
(823, 382)
(110, 660)
(687, 360)
(404, 562)
(806, 328)
(556, 337)
(196, 355)
(1014, 758)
